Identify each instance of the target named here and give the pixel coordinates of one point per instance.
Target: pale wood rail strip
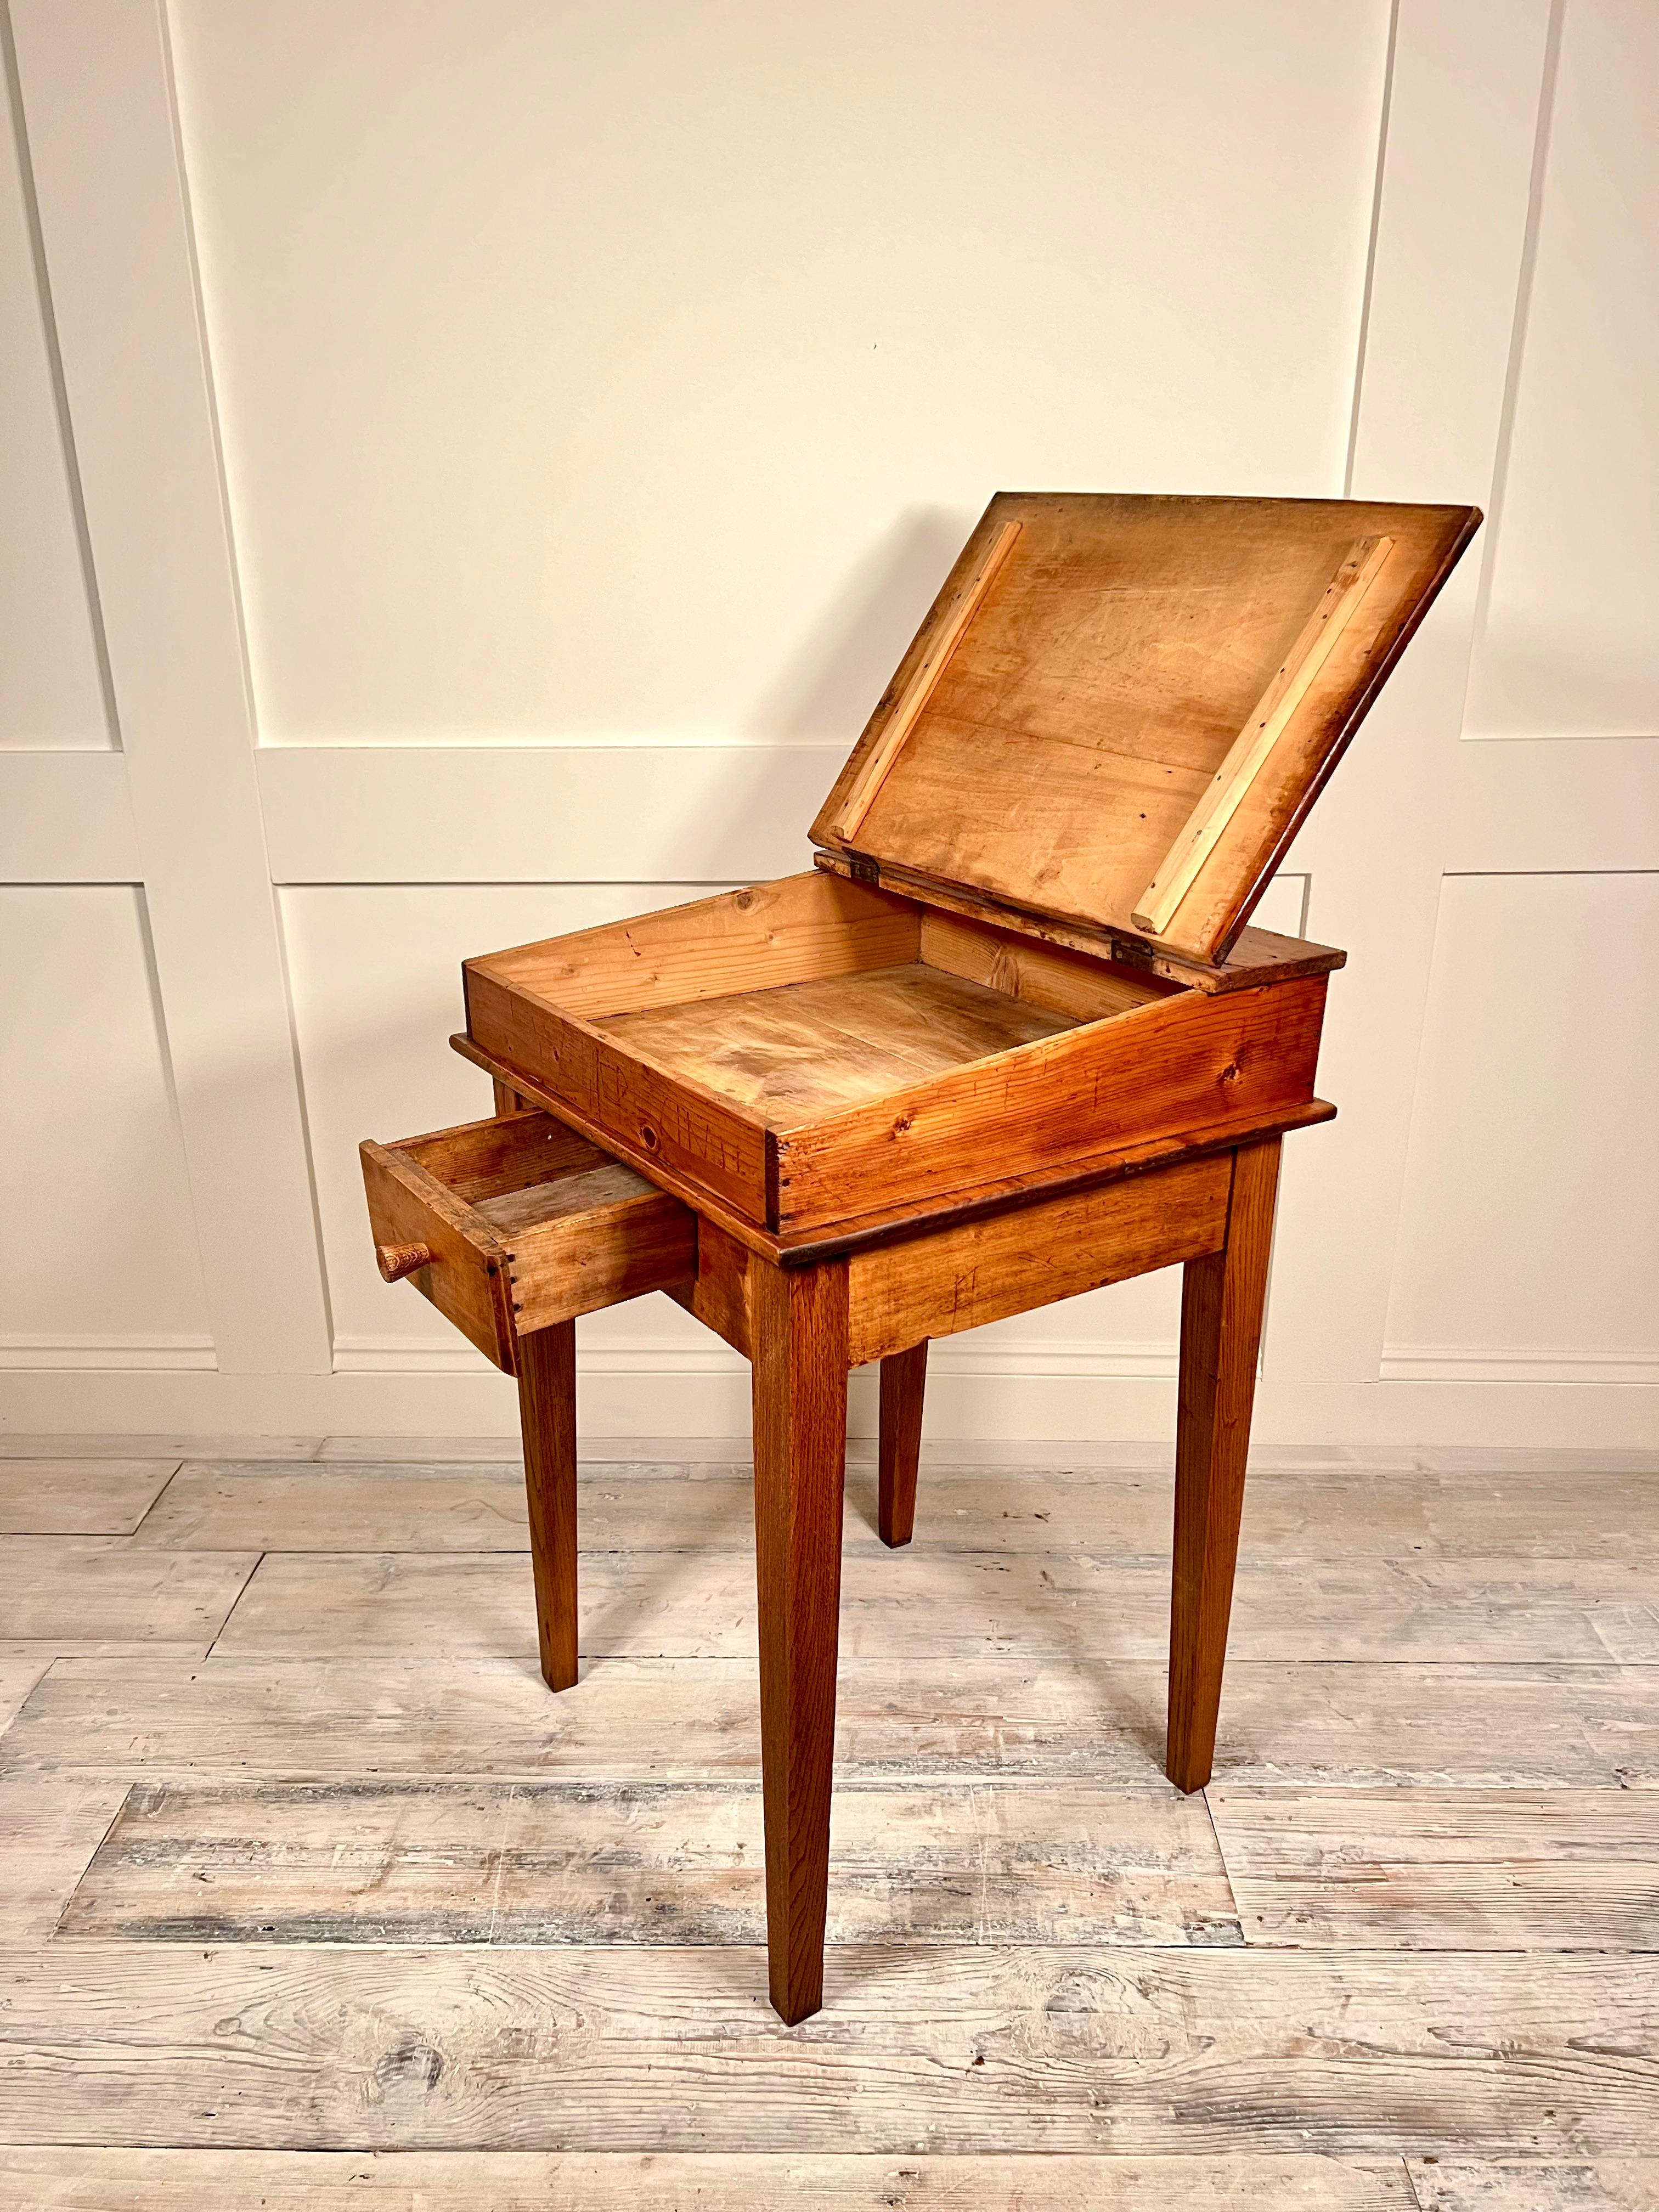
(1248, 754)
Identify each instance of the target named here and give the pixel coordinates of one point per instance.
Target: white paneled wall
(50, 692)
(1568, 645)
(489, 458)
(1533, 1138)
(99, 1264)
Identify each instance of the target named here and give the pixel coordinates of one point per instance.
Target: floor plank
(79, 1496)
(1313, 1513)
(105, 1595)
(1613, 2184)
(77, 2180)
(696, 1720)
(1453, 1870)
(21, 1666)
(173, 1446)
(917, 2048)
(926, 1601)
(52, 1825)
(533, 1862)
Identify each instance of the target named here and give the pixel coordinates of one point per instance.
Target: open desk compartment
(1024, 947)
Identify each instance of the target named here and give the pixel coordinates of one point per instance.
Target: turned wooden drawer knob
(397, 1261)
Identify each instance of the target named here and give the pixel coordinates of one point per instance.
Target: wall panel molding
(172, 1354)
(211, 822)
(66, 817)
(97, 95)
(1553, 806)
(1451, 232)
(609, 813)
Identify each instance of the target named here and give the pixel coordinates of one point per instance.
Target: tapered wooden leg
(798, 1328)
(904, 1383)
(1220, 1337)
(547, 1420)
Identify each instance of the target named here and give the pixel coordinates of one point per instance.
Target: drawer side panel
(583, 1262)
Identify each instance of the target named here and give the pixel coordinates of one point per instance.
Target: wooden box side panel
(1082, 987)
(481, 1159)
(792, 931)
(465, 1281)
(657, 1123)
(583, 1262)
(983, 1271)
(1191, 1061)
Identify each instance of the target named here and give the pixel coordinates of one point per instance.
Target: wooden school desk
(1010, 1039)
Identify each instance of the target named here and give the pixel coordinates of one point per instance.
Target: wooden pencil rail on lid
(1011, 1038)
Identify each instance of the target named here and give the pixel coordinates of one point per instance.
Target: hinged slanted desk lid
(1120, 708)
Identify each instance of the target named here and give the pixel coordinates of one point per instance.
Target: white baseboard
(1022, 1410)
(672, 1356)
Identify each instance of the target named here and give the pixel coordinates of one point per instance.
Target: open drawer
(511, 1224)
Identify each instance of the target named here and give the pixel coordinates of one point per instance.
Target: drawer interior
(523, 1222)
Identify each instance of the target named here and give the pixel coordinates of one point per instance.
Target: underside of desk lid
(1120, 708)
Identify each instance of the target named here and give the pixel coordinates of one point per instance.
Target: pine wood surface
(821, 1085)
(354, 1881)
(944, 1602)
(1416, 1514)
(90, 2180)
(1119, 651)
(79, 1498)
(1258, 955)
(811, 1048)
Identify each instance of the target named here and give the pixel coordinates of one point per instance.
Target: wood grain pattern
(1152, 1072)
(21, 1666)
(546, 1424)
(960, 1592)
(986, 1271)
(786, 931)
(65, 2179)
(466, 1281)
(1106, 677)
(904, 1389)
(1257, 956)
(799, 1355)
(693, 1142)
(945, 636)
(506, 1862)
(1425, 1520)
(719, 1294)
(1081, 2049)
(1073, 984)
(1223, 1299)
(1034, 1965)
(1459, 2185)
(794, 1245)
(1037, 1717)
(528, 1225)
(787, 1054)
(1251, 750)
(1464, 1870)
(79, 1496)
(105, 1590)
(52, 1825)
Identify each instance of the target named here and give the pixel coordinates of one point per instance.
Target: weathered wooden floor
(314, 1897)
